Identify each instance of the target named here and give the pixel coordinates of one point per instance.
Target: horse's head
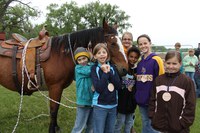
(116, 50)
(88, 38)
(117, 55)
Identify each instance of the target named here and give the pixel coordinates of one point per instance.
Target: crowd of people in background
(164, 92)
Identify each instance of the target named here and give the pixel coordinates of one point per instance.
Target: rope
(69, 100)
(24, 68)
(22, 87)
(37, 117)
(56, 101)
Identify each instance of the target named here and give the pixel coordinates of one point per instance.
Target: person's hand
(191, 64)
(105, 68)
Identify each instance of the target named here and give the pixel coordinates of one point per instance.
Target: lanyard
(171, 83)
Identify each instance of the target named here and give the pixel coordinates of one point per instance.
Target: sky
(165, 21)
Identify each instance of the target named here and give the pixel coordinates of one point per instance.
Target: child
(126, 96)
(148, 69)
(84, 92)
(178, 49)
(172, 102)
(106, 83)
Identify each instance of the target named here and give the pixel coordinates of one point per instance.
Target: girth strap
(14, 69)
(38, 68)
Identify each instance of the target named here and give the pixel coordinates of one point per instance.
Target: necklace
(166, 95)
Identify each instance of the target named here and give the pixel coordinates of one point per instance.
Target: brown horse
(59, 68)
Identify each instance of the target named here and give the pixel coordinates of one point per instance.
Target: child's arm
(83, 71)
(188, 115)
(99, 83)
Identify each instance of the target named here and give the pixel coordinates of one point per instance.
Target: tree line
(19, 17)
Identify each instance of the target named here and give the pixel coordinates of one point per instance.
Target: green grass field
(35, 108)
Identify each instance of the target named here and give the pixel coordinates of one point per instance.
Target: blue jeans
(83, 120)
(146, 122)
(197, 81)
(104, 119)
(127, 120)
(191, 75)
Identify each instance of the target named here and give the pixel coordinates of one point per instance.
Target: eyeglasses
(128, 39)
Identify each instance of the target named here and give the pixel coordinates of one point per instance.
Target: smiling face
(82, 60)
(133, 58)
(101, 56)
(172, 65)
(144, 45)
(127, 40)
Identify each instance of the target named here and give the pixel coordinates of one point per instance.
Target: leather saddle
(42, 43)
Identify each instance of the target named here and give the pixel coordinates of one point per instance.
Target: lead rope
(22, 87)
(70, 47)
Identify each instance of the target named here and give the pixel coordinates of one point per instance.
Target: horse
(58, 69)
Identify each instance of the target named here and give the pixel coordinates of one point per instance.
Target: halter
(70, 47)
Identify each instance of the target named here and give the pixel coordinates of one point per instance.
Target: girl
(106, 83)
(148, 69)
(126, 96)
(172, 103)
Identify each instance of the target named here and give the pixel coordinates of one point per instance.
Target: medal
(166, 96)
(110, 87)
(144, 78)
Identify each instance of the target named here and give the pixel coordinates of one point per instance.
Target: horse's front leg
(55, 94)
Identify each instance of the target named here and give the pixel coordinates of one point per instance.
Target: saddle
(38, 47)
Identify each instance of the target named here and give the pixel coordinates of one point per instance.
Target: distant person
(84, 93)
(189, 62)
(197, 78)
(127, 41)
(197, 72)
(126, 96)
(106, 82)
(172, 102)
(148, 69)
(178, 48)
(197, 51)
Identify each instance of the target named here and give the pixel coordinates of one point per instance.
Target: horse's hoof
(58, 130)
(55, 129)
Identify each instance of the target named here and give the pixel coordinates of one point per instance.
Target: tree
(63, 19)
(94, 12)
(69, 17)
(16, 18)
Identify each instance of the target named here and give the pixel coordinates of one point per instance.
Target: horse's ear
(115, 26)
(105, 23)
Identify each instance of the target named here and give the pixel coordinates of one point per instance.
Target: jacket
(186, 63)
(147, 70)
(100, 80)
(126, 98)
(177, 114)
(84, 92)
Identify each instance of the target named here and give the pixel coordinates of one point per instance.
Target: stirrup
(29, 84)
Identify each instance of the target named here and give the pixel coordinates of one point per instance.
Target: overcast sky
(165, 21)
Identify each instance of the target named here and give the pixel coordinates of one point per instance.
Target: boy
(84, 92)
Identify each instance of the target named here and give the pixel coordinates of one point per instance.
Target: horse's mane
(80, 38)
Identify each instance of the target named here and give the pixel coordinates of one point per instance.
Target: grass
(36, 105)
